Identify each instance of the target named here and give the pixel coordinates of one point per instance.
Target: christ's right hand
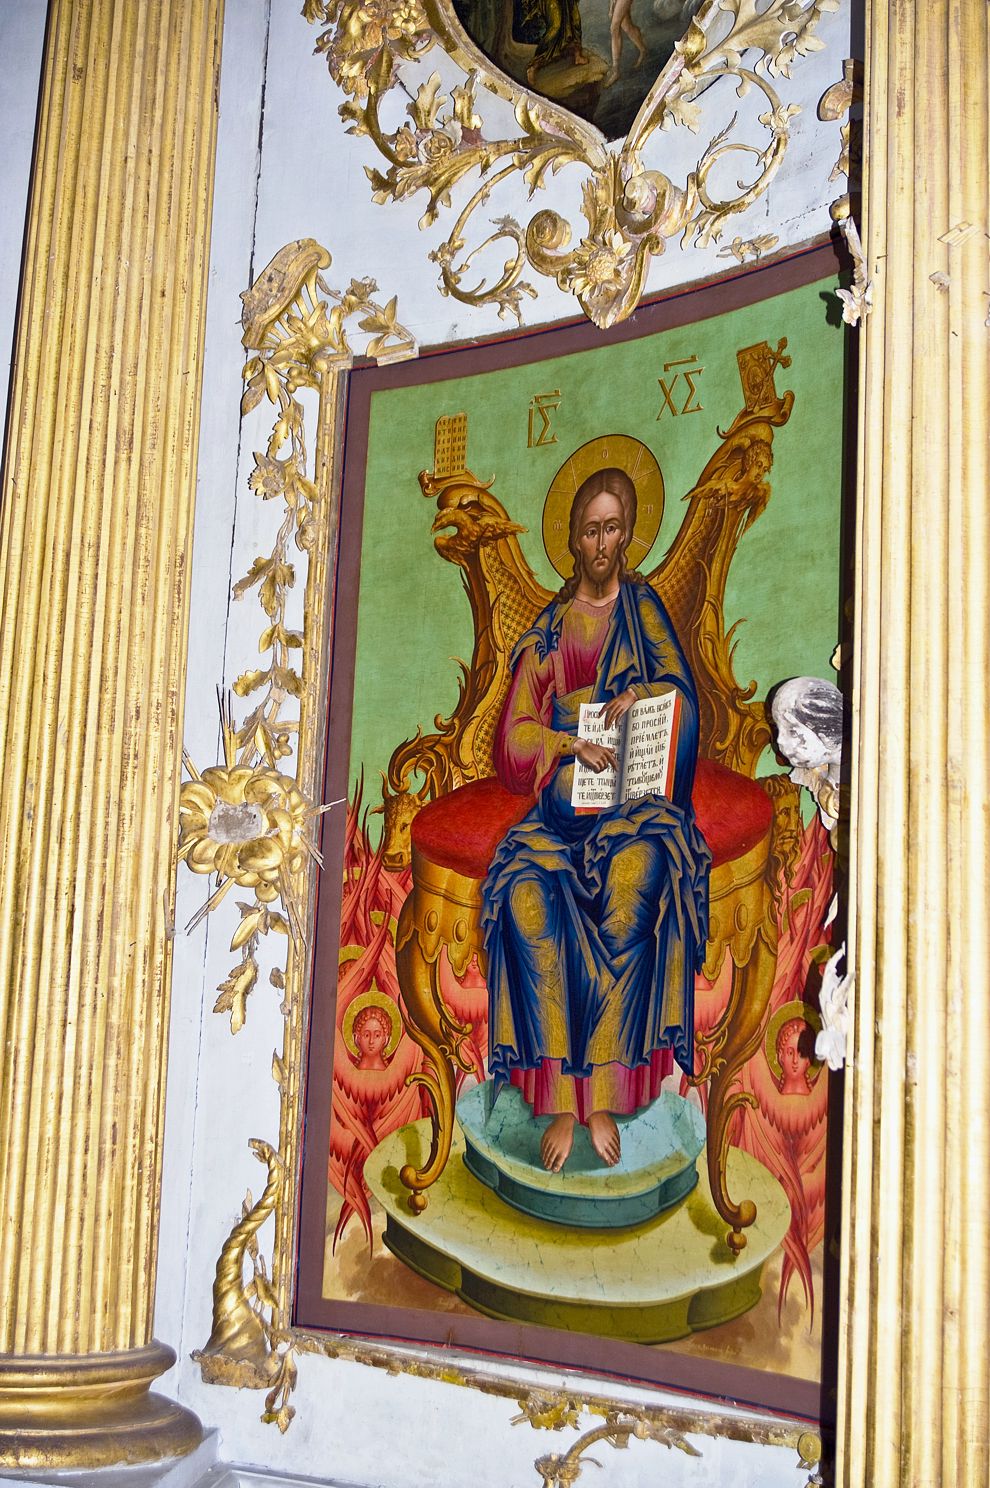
(595, 756)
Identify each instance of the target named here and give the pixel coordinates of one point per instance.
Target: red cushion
(732, 812)
(462, 830)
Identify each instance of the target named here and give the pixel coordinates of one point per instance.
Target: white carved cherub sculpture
(807, 714)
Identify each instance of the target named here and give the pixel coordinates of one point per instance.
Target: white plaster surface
(22, 35)
(287, 169)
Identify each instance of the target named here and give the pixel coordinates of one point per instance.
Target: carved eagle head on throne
(468, 516)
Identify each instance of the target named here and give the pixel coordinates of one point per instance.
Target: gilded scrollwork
(250, 819)
(246, 1348)
(838, 100)
(559, 1469)
(749, 250)
(668, 1426)
(630, 211)
(668, 1429)
(247, 820)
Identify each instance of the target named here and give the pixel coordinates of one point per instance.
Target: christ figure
(594, 924)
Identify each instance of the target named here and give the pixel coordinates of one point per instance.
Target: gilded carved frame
(251, 822)
(631, 208)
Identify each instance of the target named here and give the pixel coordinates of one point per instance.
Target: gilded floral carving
(630, 211)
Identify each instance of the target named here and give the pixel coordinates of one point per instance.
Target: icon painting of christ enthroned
(557, 946)
(572, 871)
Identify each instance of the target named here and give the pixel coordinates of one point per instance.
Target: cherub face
(601, 537)
(371, 1037)
(794, 1062)
(798, 743)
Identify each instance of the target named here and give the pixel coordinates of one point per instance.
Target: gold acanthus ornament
(631, 210)
(622, 1426)
(247, 820)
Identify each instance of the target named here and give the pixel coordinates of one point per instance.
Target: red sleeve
(526, 747)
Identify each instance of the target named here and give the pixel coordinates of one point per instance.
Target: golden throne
(450, 826)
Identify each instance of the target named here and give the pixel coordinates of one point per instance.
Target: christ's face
(601, 538)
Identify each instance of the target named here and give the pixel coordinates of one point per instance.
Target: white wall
(22, 35)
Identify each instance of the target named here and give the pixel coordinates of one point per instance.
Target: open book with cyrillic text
(644, 742)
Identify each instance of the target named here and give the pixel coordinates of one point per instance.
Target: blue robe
(595, 925)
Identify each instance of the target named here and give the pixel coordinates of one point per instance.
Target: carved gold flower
(599, 263)
(378, 21)
(404, 144)
(248, 825)
(267, 477)
(440, 143)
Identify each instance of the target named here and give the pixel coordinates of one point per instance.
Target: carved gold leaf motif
(246, 820)
(630, 212)
(842, 98)
(249, 821)
(559, 1469)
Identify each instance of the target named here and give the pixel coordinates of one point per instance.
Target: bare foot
(641, 58)
(604, 1136)
(610, 77)
(555, 1148)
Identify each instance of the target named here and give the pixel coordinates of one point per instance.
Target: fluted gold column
(94, 557)
(916, 1300)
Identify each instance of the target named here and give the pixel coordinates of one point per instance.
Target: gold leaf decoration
(248, 820)
(630, 214)
(561, 1469)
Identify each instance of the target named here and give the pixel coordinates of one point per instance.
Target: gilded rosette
(247, 824)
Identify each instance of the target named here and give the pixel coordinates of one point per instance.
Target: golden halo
(372, 998)
(640, 464)
(787, 1014)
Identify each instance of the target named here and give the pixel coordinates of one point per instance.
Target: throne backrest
(474, 531)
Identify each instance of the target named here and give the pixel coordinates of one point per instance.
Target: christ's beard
(603, 582)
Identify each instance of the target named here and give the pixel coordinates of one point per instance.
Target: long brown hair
(614, 482)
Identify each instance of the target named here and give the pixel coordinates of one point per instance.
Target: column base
(90, 1410)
